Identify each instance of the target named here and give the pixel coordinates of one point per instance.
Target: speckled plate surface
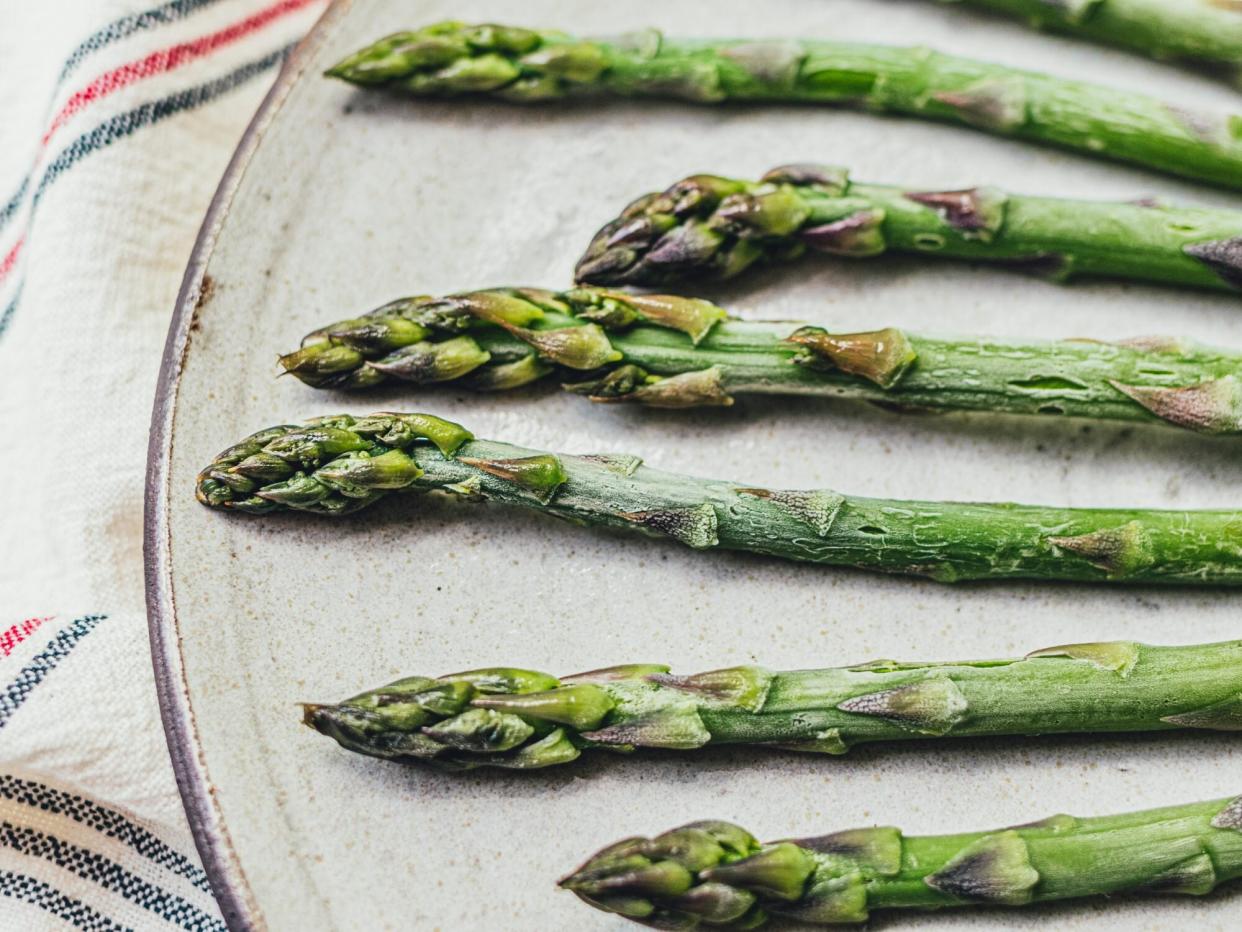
(338, 201)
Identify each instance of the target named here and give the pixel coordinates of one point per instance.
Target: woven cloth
(119, 118)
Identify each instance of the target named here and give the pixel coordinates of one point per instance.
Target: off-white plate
(340, 200)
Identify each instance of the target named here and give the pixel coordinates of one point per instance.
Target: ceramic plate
(338, 201)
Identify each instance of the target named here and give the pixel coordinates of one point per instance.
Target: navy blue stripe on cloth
(58, 648)
(10, 207)
(126, 124)
(52, 901)
(126, 26)
(108, 874)
(113, 32)
(11, 307)
(106, 821)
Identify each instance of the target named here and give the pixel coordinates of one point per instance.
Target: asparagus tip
(310, 713)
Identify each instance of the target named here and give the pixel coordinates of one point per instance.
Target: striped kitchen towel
(119, 118)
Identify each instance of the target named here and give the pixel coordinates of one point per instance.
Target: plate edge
(228, 881)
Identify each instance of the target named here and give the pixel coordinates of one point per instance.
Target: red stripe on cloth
(168, 59)
(7, 263)
(19, 632)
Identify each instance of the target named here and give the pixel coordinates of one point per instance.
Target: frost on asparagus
(706, 226)
(524, 719)
(338, 464)
(717, 875)
(450, 59)
(678, 352)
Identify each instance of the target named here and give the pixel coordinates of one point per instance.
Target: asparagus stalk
(671, 351)
(1198, 32)
(338, 464)
(452, 58)
(716, 874)
(714, 227)
(523, 719)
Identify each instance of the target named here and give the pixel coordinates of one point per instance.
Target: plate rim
(229, 883)
(236, 900)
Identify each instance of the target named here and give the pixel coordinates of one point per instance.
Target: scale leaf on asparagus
(677, 352)
(338, 464)
(717, 875)
(524, 719)
(452, 58)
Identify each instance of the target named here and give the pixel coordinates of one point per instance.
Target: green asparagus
(452, 58)
(1199, 32)
(671, 351)
(716, 874)
(714, 227)
(523, 719)
(339, 464)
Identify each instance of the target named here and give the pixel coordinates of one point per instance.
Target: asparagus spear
(523, 719)
(338, 464)
(671, 351)
(716, 874)
(715, 227)
(452, 58)
(1200, 32)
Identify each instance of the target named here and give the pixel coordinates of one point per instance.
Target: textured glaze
(352, 199)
